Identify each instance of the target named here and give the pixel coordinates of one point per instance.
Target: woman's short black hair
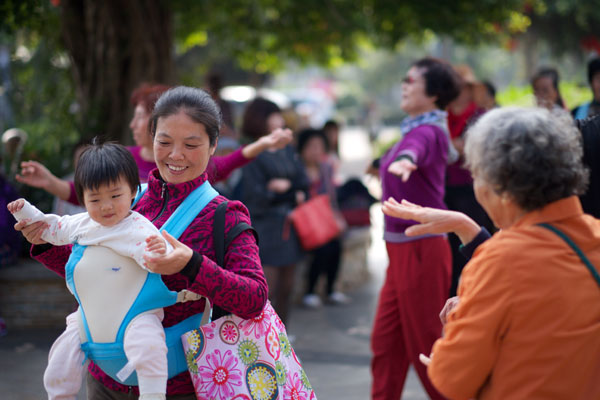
(593, 68)
(307, 134)
(256, 114)
(331, 124)
(103, 164)
(441, 80)
(195, 103)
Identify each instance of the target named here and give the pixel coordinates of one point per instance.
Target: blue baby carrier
(110, 357)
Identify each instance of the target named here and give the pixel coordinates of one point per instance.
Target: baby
(106, 182)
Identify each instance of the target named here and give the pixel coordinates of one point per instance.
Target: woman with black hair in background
(312, 148)
(272, 186)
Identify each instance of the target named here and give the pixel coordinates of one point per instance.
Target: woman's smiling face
(181, 148)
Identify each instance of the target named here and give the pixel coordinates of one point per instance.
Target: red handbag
(316, 223)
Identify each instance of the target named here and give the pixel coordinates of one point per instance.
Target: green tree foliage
(263, 33)
(18, 14)
(41, 90)
(86, 56)
(564, 24)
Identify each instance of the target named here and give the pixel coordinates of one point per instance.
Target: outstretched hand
(37, 175)
(172, 263)
(277, 139)
(34, 174)
(402, 168)
(432, 220)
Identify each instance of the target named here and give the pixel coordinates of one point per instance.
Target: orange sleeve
(463, 358)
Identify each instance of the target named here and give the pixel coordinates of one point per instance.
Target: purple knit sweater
(427, 146)
(239, 286)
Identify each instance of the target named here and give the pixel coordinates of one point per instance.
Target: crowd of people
(517, 174)
(515, 317)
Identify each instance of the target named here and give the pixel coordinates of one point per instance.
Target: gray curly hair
(528, 153)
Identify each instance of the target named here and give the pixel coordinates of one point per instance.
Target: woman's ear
(214, 148)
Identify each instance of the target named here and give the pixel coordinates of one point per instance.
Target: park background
(67, 67)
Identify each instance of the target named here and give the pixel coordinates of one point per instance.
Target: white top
(126, 238)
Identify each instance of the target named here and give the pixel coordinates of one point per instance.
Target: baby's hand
(15, 206)
(156, 245)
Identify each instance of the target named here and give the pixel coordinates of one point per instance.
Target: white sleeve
(131, 241)
(59, 228)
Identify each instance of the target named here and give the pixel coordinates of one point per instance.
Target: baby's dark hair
(103, 164)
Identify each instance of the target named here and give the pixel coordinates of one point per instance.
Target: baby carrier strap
(140, 192)
(110, 357)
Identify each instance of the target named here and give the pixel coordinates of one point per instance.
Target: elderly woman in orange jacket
(528, 321)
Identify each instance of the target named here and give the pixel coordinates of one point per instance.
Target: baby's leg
(64, 373)
(146, 350)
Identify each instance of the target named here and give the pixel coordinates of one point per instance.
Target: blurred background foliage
(73, 63)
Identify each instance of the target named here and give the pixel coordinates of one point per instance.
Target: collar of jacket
(158, 189)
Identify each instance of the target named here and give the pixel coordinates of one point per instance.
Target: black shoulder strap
(219, 232)
(575, 248)
(221, 242)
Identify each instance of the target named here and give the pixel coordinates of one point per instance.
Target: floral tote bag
(245, 359)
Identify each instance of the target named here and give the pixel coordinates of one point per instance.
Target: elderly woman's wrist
(468, 230)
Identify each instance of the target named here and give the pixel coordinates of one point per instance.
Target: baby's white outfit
(144, 341)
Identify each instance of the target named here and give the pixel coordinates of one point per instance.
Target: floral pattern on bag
(233, 358)
(219, 375)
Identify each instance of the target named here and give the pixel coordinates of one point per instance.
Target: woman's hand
(275, 140)
(432, 220)
(32, 231)
(279, 185)
(402, 168)
(37, 175)
(450, 305)
(171, 263)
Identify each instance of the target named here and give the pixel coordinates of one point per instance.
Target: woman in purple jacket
(185, 126)
(418, 276)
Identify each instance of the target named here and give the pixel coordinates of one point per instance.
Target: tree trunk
(114, 46)
(530, 54)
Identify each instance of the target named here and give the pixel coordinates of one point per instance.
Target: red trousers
(407, 319)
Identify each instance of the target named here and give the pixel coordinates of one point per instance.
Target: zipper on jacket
(165, 196)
